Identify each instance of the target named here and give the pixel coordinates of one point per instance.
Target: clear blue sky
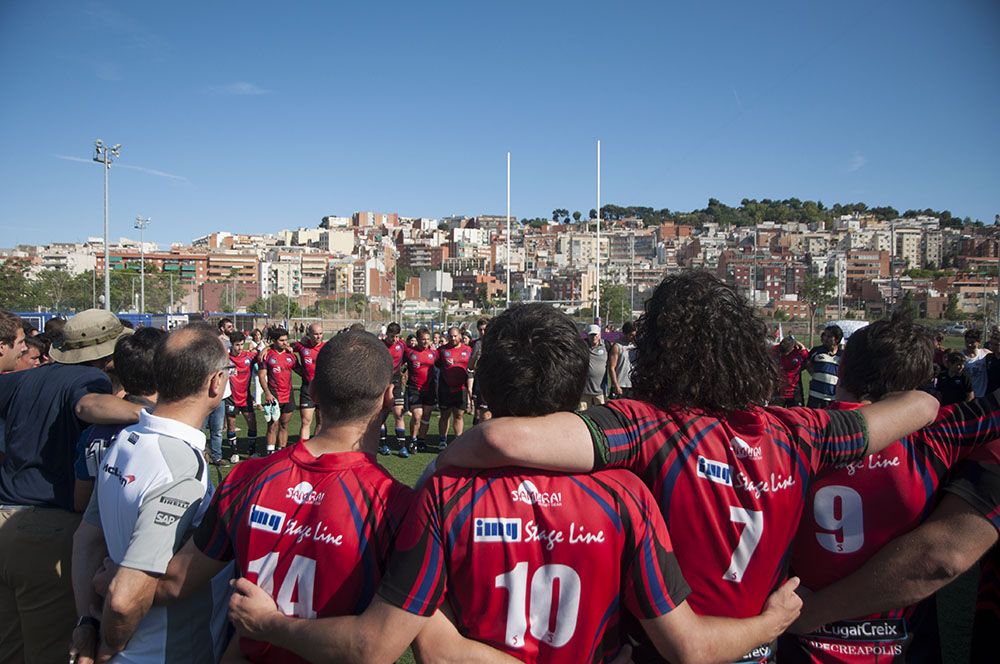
(258, 116)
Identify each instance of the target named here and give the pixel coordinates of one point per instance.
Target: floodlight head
(99, 143)
(116, 150)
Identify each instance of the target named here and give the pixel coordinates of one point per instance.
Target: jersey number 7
(749, 539)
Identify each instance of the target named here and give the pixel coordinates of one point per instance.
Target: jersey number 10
(536, 611)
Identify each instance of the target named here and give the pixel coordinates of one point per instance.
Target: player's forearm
(124, 608)
(896, 416)
(88, 553)
(106, 409)
(440, 642)
(560, 441)
(899, 575)
(729, 639)
(340, 639)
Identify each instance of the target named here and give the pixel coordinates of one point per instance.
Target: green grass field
(955, 603)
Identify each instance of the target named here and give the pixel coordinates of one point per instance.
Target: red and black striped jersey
(851, 513)
(307, 359)
(454, 364)
(397, 351)
(420, 366)
(241, 378)
(279, 366)
(735, 486)
(315, 533)
(536, 564)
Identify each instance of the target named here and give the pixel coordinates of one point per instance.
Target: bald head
(314, 334)
(186, 359)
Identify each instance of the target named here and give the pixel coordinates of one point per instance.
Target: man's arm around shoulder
(96, 408)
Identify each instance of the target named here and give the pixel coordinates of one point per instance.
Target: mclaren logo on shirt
(116, 472)
(262, 518)
(497, 529)
(717, 472)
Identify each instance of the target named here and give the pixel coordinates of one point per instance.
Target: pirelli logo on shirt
(496, 529)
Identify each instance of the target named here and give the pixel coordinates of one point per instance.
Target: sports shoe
(384, 450)
(404, 453)
(442, 446)
(221, 463)
(234, 459)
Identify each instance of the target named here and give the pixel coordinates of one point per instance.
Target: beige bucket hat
(89, 335)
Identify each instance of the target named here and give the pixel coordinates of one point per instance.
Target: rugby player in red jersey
(275, 366)
(311, 525)
(306, 352)
(241, 387)
(791, 356)
(536, 564)
(397, 350)
(728, 473)
(453, 398)
(421, 390)
(853, 511)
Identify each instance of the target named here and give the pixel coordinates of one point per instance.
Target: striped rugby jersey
(853, 512)
(823, 373)
(536, 564)
(734, 486)
(314, 533)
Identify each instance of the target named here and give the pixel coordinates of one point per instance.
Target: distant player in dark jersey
(536, 564)
(853, 512)
(241, 385)
(275, 366)
(306, 352)
(726, 472)
(421, 388)
(953, 384)
(311, 526)
(453, 395)
(397, 350)
(481, 410)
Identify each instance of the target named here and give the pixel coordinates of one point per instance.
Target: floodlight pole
(106, 155)
(508, 230)
(141, 223)
(597, 308)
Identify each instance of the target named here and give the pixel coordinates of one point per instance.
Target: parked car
(955, 328)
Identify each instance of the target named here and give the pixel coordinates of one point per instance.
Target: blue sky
(257, 116)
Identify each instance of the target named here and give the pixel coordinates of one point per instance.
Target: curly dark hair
(700, 345)
(890, 355)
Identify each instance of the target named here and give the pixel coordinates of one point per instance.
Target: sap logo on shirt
(717, 472)
(744, 450)
(529, 493)
(165, 519)
(497, 529)
(116, 472)
(303, 493)
(262, 518)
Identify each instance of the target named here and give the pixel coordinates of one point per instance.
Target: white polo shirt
(150, 491)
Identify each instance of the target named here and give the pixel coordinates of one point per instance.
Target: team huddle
(677, 525)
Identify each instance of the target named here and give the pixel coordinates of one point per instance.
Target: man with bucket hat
(44, 411)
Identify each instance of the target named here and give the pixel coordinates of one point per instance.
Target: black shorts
(422, 397)
(449, 399)
(305, 401)
(232, 409)
(398, 395)
(287, 407)
(477, 396)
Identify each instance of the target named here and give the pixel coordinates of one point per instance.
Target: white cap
(594, 329)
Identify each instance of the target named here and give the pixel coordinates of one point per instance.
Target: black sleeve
(978, 484)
